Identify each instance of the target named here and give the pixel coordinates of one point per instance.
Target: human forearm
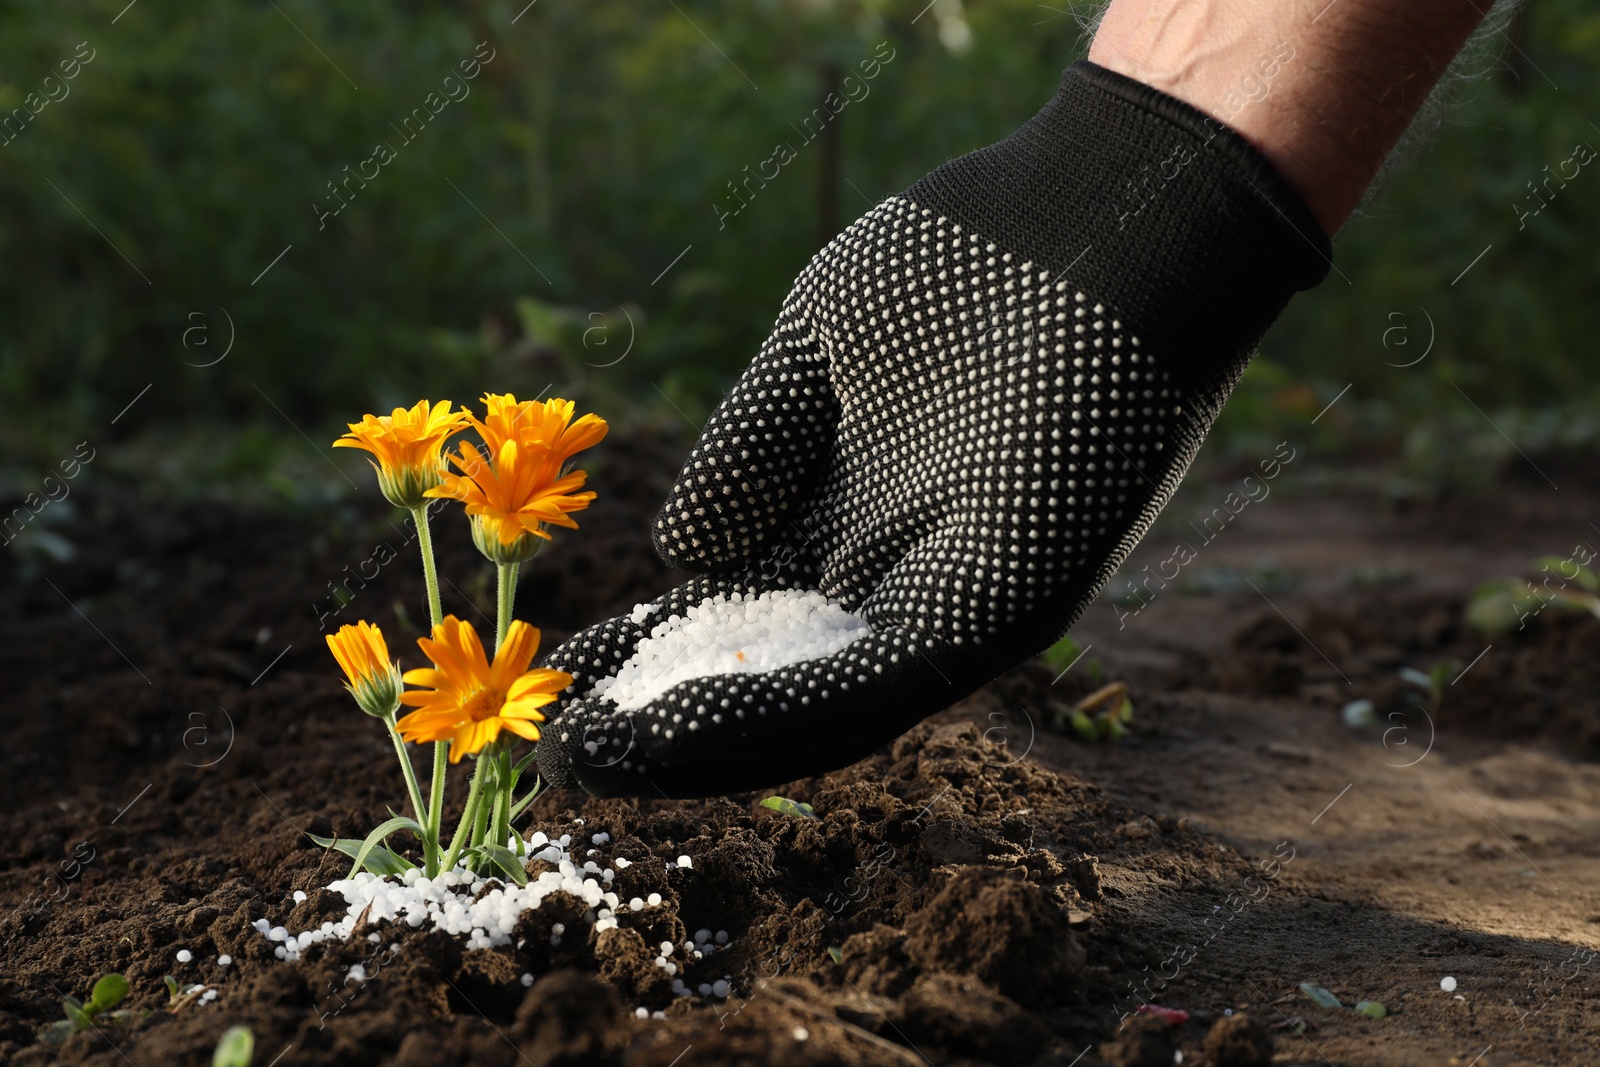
(1323, 90)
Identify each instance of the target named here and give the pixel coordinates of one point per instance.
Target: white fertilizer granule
(733, 634)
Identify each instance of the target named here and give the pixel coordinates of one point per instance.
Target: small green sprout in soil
(1430, 686)
(179, 996)
(1508, 604)
(236, 1048)
(794, 808)
(1064, 653)
(1323, 998)
(1423, 691)
(1103, 715)
(108, 992)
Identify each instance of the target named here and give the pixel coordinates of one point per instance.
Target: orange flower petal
(540, 680)
(528, 707)
(525, 730)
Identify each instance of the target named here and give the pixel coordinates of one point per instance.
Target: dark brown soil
(967, 895)
(1541, 688)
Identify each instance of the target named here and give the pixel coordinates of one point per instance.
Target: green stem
(441, 749)
(480, 824)
(507, 596)
(495, 821)
(503, 805)
(468, 818)
(497, 811)
(430, 573)
(411, 782)
(435, 820)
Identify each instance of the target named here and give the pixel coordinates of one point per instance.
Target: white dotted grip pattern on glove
(941, 436)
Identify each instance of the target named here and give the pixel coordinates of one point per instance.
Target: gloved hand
(975, 401)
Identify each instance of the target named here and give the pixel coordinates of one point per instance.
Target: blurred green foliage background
(523, 238)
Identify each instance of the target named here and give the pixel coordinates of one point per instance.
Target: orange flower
(374, 679)
(467, 701)
(520, 486)
(512, 499)
(407, 444)
(534, 424)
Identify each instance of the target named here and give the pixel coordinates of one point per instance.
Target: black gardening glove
(975, 401)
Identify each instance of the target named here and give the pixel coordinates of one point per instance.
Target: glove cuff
(1163, 213)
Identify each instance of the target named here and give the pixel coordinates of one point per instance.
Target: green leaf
(1320, 995)
(381, 833)
(1445, 668)
(172, 985)
(80, 1019)
(1063, 654)
(504, 860)
(1494, 608)
(1556, 566)
(795, 808)
(51, 543)
(369, 853)
(522, 805)
(1581, 602)
(835, 954)
(379, 860)
(1587, 579)
(108, 992)
(236, 1049)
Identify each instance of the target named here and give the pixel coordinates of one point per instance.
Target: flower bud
(520, 550)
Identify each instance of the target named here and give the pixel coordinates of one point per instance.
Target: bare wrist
(1323, 90)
